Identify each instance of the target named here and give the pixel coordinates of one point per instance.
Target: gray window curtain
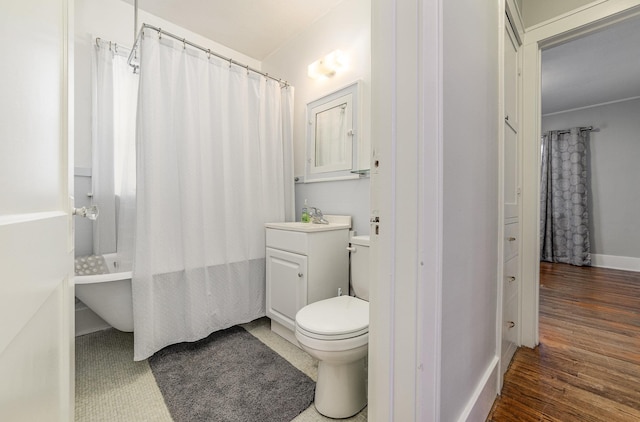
(564, 216)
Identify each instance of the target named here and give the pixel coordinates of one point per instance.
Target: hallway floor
(587, 366)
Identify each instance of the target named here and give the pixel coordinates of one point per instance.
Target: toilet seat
(337, 318)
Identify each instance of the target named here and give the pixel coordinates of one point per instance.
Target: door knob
(87, 212)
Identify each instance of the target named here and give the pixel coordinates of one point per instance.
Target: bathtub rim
(102, 278)
(111, 260)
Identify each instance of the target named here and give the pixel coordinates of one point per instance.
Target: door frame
(406, 210)
(563, 28)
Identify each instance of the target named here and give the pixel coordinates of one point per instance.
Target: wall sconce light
(328, 65)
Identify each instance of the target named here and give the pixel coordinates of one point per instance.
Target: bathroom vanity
(305, 263)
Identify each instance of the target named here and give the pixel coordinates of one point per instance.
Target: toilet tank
(360, 266)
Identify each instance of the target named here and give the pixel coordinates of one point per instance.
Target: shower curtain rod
(161, 32)
(114, 46)
(585, 128)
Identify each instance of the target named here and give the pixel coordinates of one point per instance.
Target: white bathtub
(108, 295)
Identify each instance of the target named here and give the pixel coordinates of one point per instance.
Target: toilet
(336, 332)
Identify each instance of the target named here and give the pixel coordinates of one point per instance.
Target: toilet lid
(335, 318)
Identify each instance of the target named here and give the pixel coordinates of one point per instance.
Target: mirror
(332, 145)
(332, 136)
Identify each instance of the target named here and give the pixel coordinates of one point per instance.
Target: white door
(511, 125)
(36, 246)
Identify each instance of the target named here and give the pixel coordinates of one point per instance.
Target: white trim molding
(483, 396)
(406, 196)
(591, 106)
(627, 263)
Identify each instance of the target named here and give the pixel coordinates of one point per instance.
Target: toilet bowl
(336, 332)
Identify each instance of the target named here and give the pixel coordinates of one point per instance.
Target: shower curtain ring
(159, 33)
(230, 63)
(208, 53)
(247, 70)
(184, 44)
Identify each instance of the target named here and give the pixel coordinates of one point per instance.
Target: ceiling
(595, 69)
(256, 28)
(599, 68)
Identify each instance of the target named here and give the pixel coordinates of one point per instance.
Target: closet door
(510, 285)
(511, 149)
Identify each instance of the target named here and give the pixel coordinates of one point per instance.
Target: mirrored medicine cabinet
(333, 136)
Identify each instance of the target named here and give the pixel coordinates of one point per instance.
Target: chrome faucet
(316, 217)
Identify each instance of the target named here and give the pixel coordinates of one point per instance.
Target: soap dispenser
(305, 213)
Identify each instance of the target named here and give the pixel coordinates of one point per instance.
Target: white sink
(336, 222)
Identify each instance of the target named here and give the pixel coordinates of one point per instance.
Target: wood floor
(587, 366)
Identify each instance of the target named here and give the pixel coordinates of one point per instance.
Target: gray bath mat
(230, 376)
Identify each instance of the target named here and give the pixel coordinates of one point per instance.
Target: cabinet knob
(511, 239)
(300, 274)
(511, 324)
(511, 278)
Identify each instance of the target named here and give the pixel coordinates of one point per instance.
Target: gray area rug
(230, 376)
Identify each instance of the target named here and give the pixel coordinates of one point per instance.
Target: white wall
(614, 152)
(470, 207)
(536, 11)
(347, 27)
(112, 20)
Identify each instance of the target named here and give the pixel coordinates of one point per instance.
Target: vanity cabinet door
(286, 285)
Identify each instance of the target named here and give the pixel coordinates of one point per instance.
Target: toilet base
(341, 390)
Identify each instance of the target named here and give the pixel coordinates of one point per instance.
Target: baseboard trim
(626, 263)
(87, 321)
(479, 406)
(284, 332)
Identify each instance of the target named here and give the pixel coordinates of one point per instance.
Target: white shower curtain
(115, 93)
(213, 165)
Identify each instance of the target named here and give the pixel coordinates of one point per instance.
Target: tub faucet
(315, 214)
